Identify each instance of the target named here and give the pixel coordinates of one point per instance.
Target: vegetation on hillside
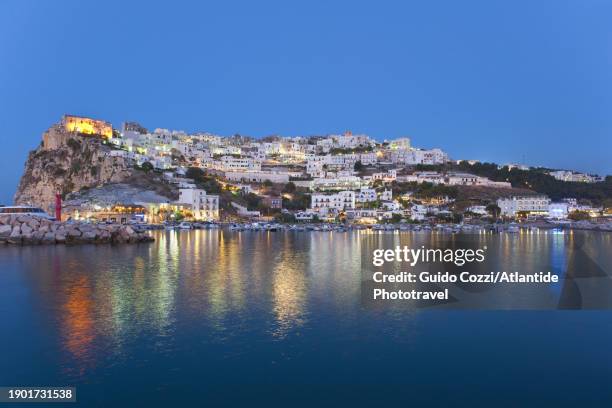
(358, 149)
(535, 179)
(424, 190)
(203, 180)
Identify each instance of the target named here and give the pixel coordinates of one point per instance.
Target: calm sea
(219, 318)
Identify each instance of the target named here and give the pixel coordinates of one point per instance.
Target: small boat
(185, 225)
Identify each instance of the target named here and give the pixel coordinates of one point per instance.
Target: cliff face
(65, 163)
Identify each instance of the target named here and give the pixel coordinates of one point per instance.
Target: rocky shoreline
(31, 230)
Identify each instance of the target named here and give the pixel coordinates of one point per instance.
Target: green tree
(146, 167)
(289, 188)
(395, 218)
(195, 173)
(253, 201)
(74, 144)
(286, 218)
(203, 180)
(578, 215)
(494, 210)
(299, 201)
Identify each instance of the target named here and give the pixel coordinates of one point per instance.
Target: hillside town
(338, 178)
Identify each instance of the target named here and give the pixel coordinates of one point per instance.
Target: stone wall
(32, 230)
(55, 138)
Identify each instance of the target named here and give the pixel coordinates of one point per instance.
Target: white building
(461, 179)
(337, 183)
(392, 206)
(341, 161)
(205, 207)
(386, 195)
(366, 195)
(387, 177)
(418, 212)
(422, 177)
(558, 210)
(257, 176)
(332, 203)
(325, 145)
(231, 163)
(368, 158)
(565, 175)
(350, 141)
(314, 167)
(400, 144)
(363, 215)
(419, 156)
(478, 209)
(304, 215)
(537, 205)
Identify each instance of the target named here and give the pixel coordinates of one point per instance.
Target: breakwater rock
(32, 230)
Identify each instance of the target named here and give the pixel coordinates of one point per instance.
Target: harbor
(34, 230)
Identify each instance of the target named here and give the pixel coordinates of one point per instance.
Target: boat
(185, 225)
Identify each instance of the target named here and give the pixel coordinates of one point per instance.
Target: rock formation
(69, 162)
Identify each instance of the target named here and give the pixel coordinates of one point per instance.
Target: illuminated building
(87, 126)
(118, 213)
(536, 205)
(558, 210)
(203, 206)
(324, 203)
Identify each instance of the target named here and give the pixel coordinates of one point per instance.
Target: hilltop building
(87, 126)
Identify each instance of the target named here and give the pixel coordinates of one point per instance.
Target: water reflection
(78, 323)
(289, 288)
(211, 286)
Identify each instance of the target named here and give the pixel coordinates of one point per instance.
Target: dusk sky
(511, 81)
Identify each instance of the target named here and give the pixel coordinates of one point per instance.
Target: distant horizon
(483, 81)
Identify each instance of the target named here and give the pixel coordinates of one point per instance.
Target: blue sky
(489, 80)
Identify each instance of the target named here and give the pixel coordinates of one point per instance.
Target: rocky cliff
(68, 162)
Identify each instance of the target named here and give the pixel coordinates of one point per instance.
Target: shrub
(73, 144)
